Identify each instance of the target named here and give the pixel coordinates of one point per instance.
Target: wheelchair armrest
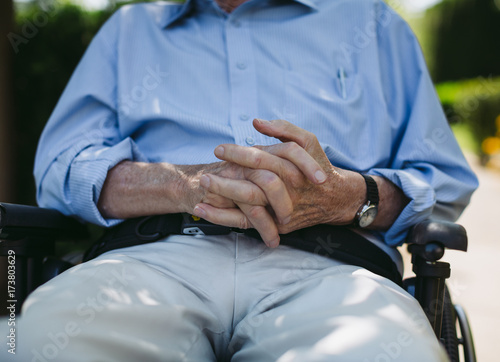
(427, 243)
(21, 222)
(28, 235)
(447, 234)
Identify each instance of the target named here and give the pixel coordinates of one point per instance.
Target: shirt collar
(176, 13)
(309, 3)
(184, 9)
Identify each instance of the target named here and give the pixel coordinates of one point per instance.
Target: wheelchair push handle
(445, 234)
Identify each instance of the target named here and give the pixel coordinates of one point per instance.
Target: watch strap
(371, 189)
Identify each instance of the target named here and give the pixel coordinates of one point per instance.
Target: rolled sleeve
(422, 200)
(73, 182)
(87, 175)
(82, 140)
(426, 162)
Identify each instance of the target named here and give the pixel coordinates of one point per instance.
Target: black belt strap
(336, 242)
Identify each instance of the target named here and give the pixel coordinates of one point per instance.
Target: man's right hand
(289, 175)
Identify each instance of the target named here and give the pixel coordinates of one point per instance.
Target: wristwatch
(368, 211)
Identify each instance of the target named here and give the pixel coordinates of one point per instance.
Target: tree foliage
(47, 43)
(465, 37)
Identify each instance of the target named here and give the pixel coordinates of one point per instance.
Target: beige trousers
(224, 298)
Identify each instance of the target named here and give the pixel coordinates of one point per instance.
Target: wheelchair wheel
(466, 340)
(449, 336)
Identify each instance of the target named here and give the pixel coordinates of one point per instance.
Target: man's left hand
(291, 185)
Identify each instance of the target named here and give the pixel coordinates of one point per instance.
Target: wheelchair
(28, 237)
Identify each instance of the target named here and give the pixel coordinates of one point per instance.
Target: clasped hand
(280, 188)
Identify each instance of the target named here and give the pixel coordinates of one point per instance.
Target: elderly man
(158, 119)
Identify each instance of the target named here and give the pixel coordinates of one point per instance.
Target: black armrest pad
(450, 235)
(20, 221)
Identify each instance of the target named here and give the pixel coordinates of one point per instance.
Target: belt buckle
(195, 226)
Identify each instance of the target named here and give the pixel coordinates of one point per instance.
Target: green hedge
(463, 38)
(47, 43)
(474, 104)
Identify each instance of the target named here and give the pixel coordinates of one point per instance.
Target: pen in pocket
(342, 76)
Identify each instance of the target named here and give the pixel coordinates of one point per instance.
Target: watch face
(367, 216)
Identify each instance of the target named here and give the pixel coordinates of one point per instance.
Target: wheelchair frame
(29, 234)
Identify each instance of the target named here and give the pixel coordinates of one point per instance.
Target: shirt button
(244, 117)
(241, 65)
(250, 141)
(236, 23)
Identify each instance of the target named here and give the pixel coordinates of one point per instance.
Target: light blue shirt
(168, 82)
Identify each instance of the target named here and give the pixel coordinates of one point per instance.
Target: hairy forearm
(135, 189)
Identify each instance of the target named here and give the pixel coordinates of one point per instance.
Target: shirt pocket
(311, 94)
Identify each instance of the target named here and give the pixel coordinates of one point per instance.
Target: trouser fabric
(220, 298)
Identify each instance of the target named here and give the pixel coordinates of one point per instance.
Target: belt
(335, 242)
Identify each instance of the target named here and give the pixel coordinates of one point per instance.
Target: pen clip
(342, 76)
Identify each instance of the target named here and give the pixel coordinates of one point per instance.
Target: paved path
(475, 280)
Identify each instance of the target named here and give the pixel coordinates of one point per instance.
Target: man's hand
(291, 185)
(274, 189)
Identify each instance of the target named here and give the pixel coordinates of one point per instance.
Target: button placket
(242, 77)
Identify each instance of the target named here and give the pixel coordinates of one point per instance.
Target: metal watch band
(371, 189)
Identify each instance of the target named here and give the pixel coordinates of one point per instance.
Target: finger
(297, 155)
(242, 218)
(232, 217)
(286, 132)
(263, 222)
(256, 158)
(264, 188)
(276, 193)
(218, 200)
(237, 190)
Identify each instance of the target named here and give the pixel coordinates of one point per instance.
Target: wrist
(368, 211)
(357, 196)
(344, 202)
(187, 191)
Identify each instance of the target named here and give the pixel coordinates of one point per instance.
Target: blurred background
(41, 42)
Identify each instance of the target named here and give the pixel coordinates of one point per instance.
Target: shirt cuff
(88, 173)
(422, 200)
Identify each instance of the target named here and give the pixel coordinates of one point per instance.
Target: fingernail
(286, 220)
(320, 176)
(261, 121)
(205, 181)
(198, 211)
(219, 151)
